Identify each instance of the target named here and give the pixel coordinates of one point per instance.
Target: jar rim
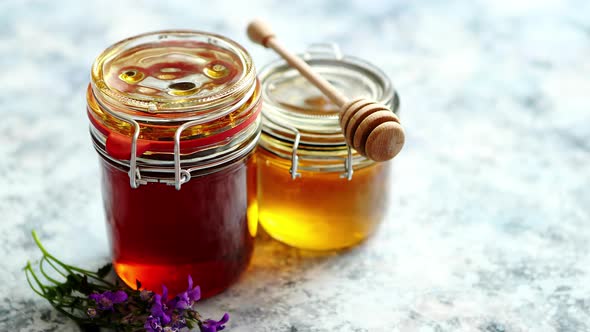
(172, 104)
(320, 128)
(315, 142)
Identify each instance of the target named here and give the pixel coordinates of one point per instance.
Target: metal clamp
(134, 172)
(294, 156)
(348, 165)
(181, 176)
(294, 170)
(135, 179)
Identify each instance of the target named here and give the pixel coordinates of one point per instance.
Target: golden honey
(320, 210)
(313, 192)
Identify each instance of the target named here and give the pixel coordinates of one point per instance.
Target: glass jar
(315, 192)
(175, 119)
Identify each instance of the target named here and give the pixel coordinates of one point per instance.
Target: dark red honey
(147, 92)
(160, 235)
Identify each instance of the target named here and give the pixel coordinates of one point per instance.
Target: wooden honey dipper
(369, 127)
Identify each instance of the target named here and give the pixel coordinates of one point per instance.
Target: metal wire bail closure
(326, 49)
(137, 124)
(294, 169)
(181, 176)
(134, 172)
(348, 165)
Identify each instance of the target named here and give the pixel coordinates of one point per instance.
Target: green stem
(40, 246)
(28, 270)
(55, 268)
(66, 297)
(45, 274)
(70, 315)
(68, 268)
(87, 272)
(74, 298)
(105, 284)
(50, 256)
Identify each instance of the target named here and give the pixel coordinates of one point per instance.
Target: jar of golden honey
(175, 119)
(314, 191)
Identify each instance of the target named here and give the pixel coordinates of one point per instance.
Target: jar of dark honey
(175, 119)
(314, 191)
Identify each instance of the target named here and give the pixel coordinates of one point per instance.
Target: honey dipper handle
(261, 33)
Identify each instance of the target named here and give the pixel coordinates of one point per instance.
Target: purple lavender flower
(153, 324)
(170, 329)
(186, 299)
(178, 322)
(169, 316)
(91, 312)
(160, 308)
(194, 294)
(211, 325)
(106, 300)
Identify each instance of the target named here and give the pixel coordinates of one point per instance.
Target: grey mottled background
(489, 227)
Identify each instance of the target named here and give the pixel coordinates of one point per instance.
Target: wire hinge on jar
(294, 170)
(134, 172)
(333, 50)
(348, 165)
(181, 176)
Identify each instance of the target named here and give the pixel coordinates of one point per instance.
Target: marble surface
(489, 227)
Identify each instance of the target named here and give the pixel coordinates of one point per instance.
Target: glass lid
(290, 100)
(173, 71)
